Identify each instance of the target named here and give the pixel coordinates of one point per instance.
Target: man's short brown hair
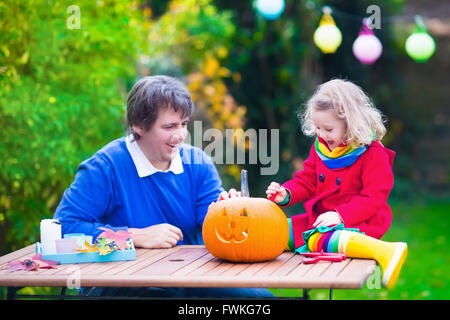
(151, 94)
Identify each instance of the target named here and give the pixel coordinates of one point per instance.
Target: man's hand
(230, 194)
(162, 235)
(327, 219)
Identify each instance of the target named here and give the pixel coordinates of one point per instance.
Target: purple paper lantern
(367, 48)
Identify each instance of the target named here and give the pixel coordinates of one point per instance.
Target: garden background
(63, 89)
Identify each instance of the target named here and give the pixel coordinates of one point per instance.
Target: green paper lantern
(420, 46)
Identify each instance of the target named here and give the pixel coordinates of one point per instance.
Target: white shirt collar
(144, 166)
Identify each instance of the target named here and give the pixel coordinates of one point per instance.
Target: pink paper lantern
(367, 48)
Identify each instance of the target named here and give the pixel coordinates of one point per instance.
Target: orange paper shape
(89, 247)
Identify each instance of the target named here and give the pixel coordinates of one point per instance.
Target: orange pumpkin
(245, 229)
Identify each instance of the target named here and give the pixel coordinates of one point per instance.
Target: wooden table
(192, 266)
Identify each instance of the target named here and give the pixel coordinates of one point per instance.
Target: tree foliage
(197, 39)
(61, 97)
(63, 90)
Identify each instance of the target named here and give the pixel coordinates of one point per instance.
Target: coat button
(321, 178)
(338, 181)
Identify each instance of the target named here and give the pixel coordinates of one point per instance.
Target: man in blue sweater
(149, 183)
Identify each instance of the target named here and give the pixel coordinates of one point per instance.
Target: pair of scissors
(313, 257)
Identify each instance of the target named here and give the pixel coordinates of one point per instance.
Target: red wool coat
(358, 192)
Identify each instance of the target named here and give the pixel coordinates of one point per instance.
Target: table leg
(11, 293)
(63, 293)
(306, 294)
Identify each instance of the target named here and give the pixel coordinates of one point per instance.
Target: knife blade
(244, 184)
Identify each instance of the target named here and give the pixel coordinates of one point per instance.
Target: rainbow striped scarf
(341, 157)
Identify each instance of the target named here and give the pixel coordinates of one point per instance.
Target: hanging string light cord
(358, 19)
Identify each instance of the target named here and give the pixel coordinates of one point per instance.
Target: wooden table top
(192, 266)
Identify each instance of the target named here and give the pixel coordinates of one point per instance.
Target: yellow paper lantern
(327, 37)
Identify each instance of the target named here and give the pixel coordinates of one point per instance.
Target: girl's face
(329, 127)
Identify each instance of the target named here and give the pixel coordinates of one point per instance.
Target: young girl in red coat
(345, 181)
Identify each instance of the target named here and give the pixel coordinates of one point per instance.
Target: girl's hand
(230, 194)
(327, 219)
(276, 192)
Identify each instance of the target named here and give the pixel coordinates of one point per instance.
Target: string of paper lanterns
(367, 48)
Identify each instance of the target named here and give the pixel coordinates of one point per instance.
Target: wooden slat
(207, 257)
(16, 255)
(289, 265)
(236, 269)
(62, 269)
(272, 266)
(300, 270)
(211, 264)
(251, 269)
(173, 262)
(100, 268)
(144, 254)
(334, 270)
(324, 274)
(355, 273)
(138, 265)
(219, 269)
(315, 270)
(22, 254)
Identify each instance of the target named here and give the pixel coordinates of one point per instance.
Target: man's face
(162, 141)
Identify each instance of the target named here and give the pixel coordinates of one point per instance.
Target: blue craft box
(85, 257)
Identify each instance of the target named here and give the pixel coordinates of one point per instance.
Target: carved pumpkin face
(231, 228)
(245, 229)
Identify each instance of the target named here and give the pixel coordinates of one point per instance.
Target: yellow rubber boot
(389, 255)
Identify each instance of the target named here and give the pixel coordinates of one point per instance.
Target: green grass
(424, 227)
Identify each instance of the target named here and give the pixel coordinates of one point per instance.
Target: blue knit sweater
(108, 192)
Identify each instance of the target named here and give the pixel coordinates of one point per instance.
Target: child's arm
(276, 193)
(303, 185)
(377, 180)
(327, 219)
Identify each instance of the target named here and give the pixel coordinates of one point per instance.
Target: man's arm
(87, 199)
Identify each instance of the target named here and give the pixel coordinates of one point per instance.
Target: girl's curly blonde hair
(364, 121)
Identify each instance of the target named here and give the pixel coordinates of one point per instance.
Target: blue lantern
(270, 9)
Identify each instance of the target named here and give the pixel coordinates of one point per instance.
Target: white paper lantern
(270, 9)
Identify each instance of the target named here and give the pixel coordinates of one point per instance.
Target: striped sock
(332, 241)
(328, 241)
(389, 255)
(290, 245)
